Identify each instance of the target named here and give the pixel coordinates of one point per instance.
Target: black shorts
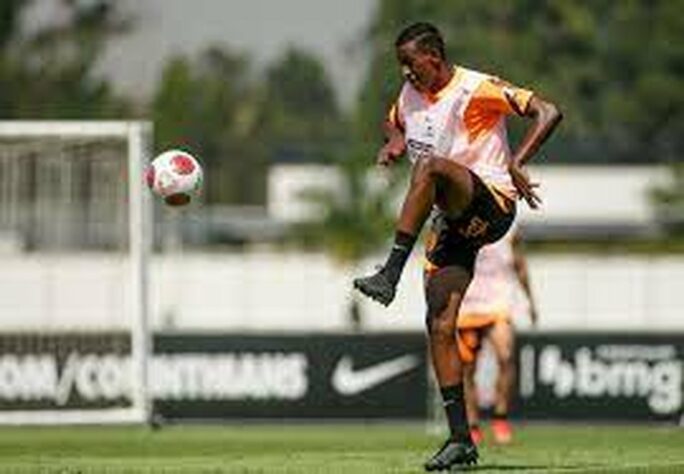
(457, 241)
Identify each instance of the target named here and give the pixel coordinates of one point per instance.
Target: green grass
(329, 449)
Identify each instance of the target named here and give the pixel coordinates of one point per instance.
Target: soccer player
(486, 315)
(450, 121)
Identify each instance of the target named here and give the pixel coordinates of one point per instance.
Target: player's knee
(427, 168)
(434, 318)
(442, 329)
(434, 167)
(504, 356)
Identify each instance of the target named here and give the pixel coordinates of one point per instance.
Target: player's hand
(390, 152)
(525, 187)
(394, 147)
(534, 316)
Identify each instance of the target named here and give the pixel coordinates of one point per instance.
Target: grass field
(329, 449)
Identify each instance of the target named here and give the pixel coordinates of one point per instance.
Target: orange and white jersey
(464, 122)
(491, 294)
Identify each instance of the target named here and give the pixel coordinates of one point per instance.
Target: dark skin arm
(545, 117)
(521, 271)
(394, 146)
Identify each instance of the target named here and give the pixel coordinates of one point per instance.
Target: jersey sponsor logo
(349, 381)
(417, 149)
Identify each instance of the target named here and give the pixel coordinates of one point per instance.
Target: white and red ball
(175, 176)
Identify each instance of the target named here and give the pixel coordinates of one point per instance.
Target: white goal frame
(138, 135)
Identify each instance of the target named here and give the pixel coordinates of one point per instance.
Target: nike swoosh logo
(347, 381)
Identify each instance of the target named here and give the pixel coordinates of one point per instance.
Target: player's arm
(522, 272)
(545, 117)
(395, 142)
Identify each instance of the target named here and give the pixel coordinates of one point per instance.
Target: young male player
(450, 121)
(486, 315)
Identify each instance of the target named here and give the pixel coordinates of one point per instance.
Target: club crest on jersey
(476, 227)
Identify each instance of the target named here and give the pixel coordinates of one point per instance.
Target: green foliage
(209, 106)
(668, 201)
(300, 119)
(212, 105)
(10, 11)
(297, 88)
(358, 216)
(49, 73)
(615, 68)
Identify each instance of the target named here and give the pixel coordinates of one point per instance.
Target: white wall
(570, 194)
(595, 194)
(301, 292)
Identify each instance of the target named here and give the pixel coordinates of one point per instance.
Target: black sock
(454, 406)
(403, 244)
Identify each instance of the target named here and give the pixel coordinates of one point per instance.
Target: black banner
(601, 376)
(574, 376)
(200, 376)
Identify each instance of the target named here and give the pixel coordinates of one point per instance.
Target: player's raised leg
(434, 181)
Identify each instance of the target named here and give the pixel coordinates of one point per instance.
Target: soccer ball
(175, 176)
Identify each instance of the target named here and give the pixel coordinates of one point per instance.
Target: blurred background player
(486, 314)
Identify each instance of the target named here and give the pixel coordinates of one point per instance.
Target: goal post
(75, 238)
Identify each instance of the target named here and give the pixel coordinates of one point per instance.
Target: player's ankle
(403, 244)
(462, 436)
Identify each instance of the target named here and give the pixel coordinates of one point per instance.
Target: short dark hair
(427, 38)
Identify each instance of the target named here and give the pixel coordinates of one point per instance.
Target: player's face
(418, 67)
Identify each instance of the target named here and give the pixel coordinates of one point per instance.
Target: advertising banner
(600, 376)
(205, 376)
(572, 376)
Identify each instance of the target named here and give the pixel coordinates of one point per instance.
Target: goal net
(74, 239)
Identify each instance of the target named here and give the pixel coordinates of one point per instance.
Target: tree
(300, 119)
(210, 106)
(49, 73)
(357, 218)
(668, 202)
